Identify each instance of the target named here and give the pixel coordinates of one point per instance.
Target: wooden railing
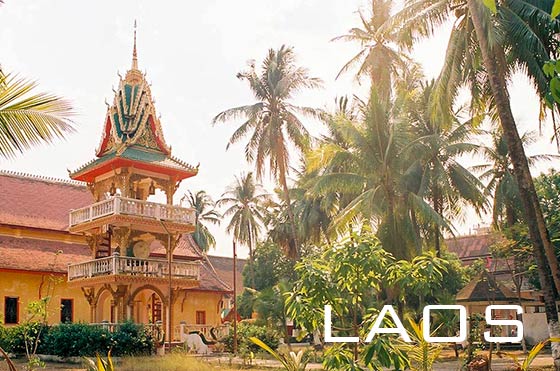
(124, 265)
(129, 206)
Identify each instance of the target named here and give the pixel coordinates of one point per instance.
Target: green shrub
(248, 330)
(79, 339)
(12, 339)
(132, 340)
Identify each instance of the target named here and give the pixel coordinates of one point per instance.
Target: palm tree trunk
(251, 257)
(437, 209)
(542, 247)
(510, 216)
(295, 255)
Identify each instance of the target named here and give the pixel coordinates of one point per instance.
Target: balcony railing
(128, 206)
(124, 265)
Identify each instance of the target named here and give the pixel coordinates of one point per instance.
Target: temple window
(11, 310)
(200, 317)
(66, 310)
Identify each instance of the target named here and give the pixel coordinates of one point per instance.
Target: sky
(191, 52)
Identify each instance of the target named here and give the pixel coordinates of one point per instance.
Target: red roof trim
(107, 166)
(159, 141)
(106, 135)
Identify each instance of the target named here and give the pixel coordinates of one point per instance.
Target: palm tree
(378, 58)
(28, 118)
(205, 211)
(245, 201)
(272, 123)
(438, 144)
(372, 167)
(498, 172)
(486, 48)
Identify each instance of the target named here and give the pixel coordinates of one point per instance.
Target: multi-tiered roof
(132, 134)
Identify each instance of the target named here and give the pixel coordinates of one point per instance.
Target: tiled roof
(138, 154)
(39, 202)
(470, 247)
(28, 254)
(40, 255)
(485, 288)
(186, 249)
(224, 269)
(210, 280)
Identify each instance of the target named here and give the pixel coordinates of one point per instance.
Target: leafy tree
(270, 306)
(204, 207)
(347, 276)
(245, 202)
(28, 118)
(246, 302)
(272, 123)
(270, 266)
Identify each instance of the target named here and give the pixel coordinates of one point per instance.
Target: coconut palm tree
(498, 172)
(245, 201)
(272, 122)
(438, 144)
(378, 59)
(372, 167)
(206, 213)
(485, 48)
(28, 118)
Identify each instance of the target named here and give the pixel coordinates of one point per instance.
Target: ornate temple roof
(132, 132)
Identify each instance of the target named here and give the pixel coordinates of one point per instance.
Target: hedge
(80, 339)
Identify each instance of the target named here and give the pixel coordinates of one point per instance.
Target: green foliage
(204, 207)
(79, 339)
(28, 118)
(491, 4)
(130, 340)
(422, 354)
(548, 188)
(19, 338)
(245, 331)
(555, 9)
(99, 364)
(245, 302)
(270, 266)
(244, 202)
(347, 276)
(290, 362)
(531, 356)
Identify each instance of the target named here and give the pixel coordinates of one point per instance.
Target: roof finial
(134, 55)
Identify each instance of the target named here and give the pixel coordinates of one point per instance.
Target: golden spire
(134, 55)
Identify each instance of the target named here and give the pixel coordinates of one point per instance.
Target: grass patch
(177, 362)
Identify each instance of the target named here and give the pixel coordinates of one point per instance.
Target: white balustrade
(124, 265)
(129, 206)
(181, 331)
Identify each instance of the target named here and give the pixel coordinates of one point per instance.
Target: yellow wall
(186, 306)
(27, 285)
